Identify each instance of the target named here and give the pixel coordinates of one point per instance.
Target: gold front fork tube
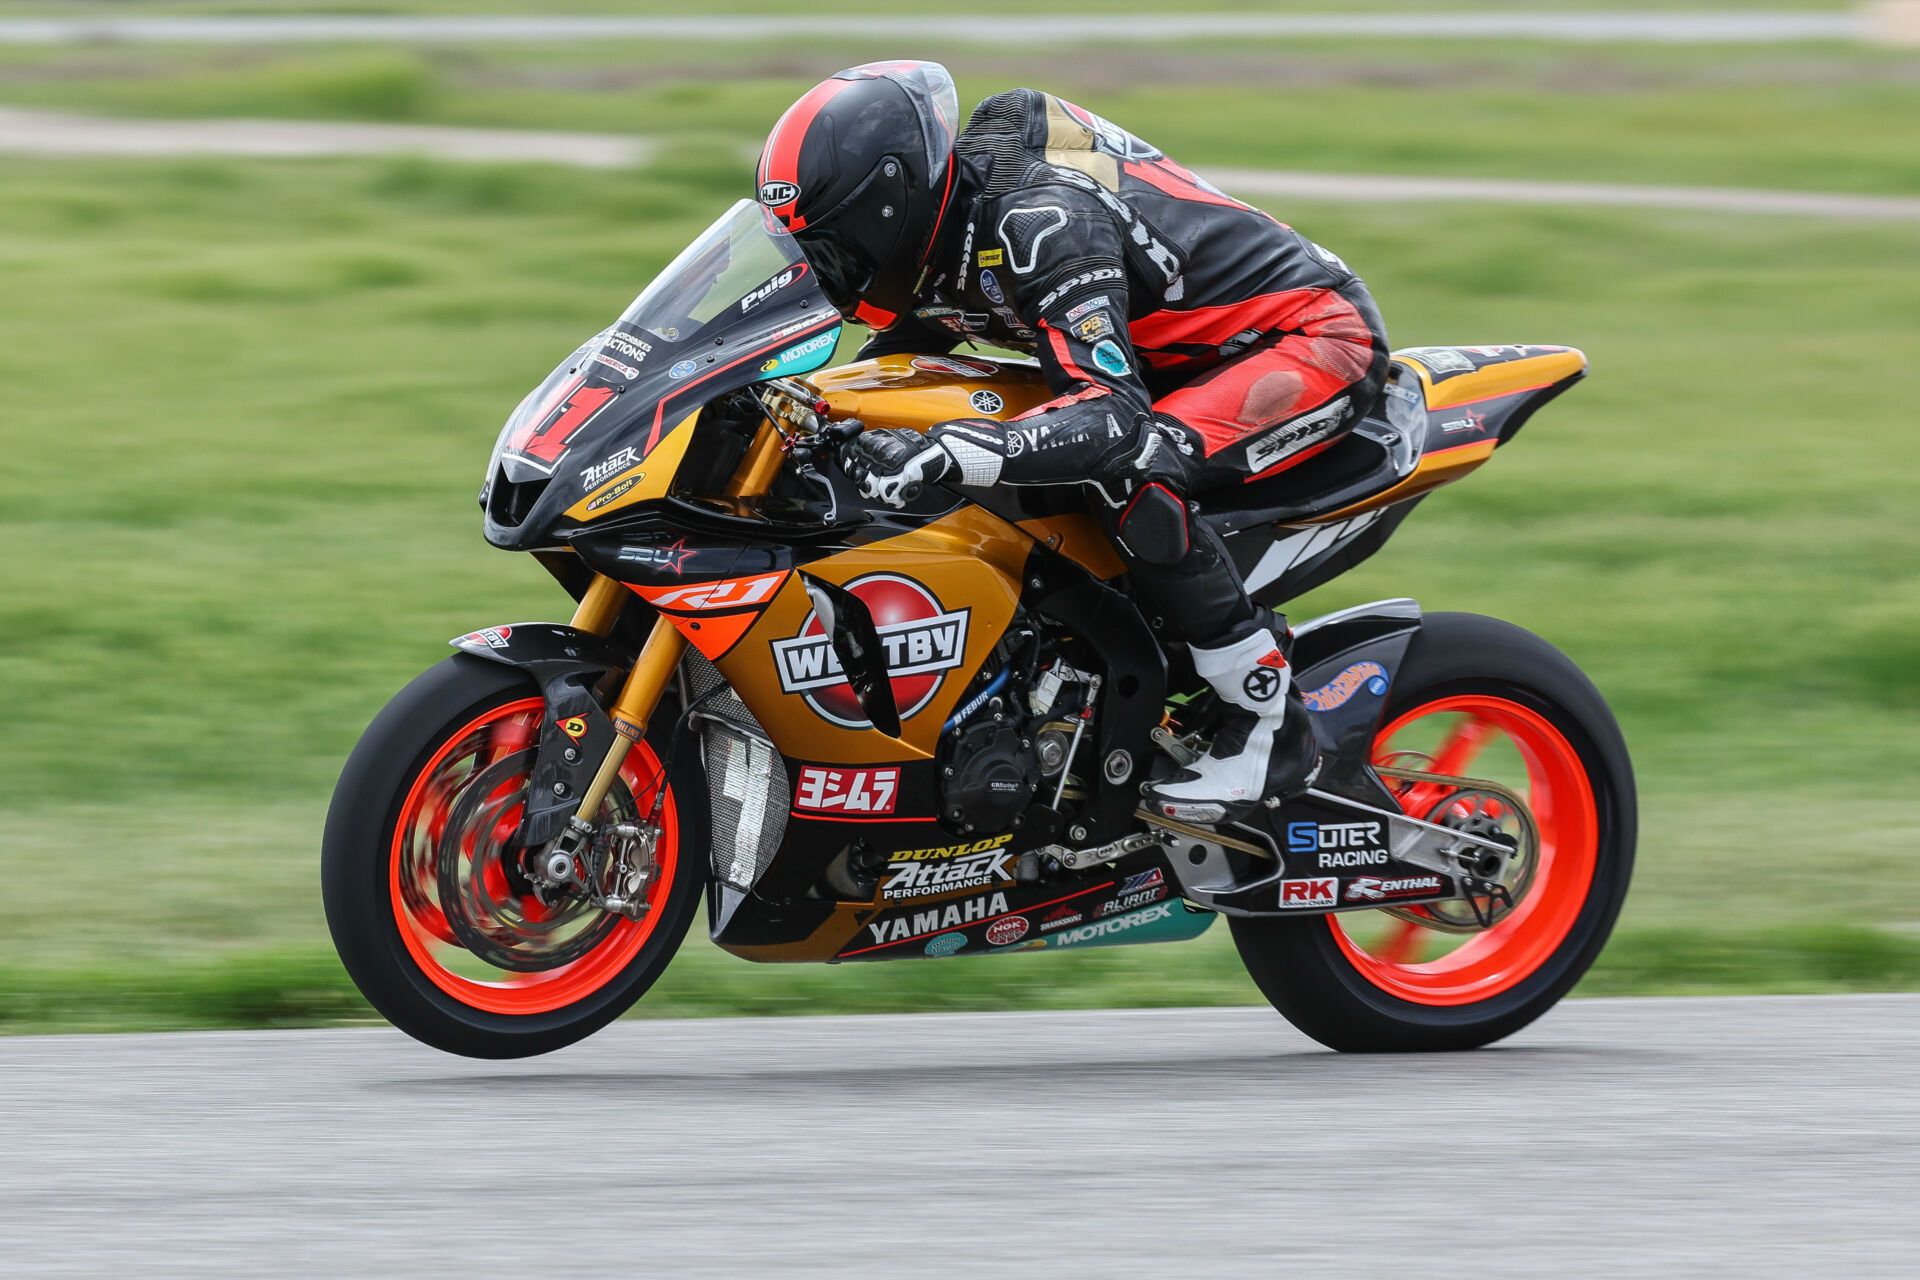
(634, 707)
(599, 608)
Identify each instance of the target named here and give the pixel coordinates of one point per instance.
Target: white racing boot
(1265, 744)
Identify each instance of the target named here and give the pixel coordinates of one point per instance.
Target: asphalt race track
(1745, 1137)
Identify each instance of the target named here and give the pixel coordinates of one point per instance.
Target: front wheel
(1480, 698)
(427, 900)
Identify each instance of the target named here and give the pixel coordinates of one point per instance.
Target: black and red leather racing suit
(1191, 340)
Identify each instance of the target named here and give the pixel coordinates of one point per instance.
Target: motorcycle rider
(1190, 340)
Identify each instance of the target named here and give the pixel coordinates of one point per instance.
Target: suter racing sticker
(922, 640)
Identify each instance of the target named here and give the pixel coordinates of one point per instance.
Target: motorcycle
(876, 734)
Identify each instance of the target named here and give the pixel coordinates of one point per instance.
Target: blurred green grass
(248, 404)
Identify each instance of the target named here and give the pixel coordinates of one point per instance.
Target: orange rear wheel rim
(1560, 794)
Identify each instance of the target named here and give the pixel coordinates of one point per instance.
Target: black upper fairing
(740, 305)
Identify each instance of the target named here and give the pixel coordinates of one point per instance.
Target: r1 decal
(848, 792)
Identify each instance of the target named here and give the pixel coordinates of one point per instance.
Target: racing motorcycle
(875, 734)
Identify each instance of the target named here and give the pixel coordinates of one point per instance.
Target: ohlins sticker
(1338, 691)
(1338, 844)
(928, 879)
(846, 791)
(922, 641)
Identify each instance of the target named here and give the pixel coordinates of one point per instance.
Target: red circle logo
(922, 642)
(1011, 929)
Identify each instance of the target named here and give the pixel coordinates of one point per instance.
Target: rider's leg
(1255, 416)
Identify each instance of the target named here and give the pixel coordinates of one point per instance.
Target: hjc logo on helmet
(922, 642)
(776, 194)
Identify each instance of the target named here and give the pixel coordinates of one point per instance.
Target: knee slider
(1153, 525)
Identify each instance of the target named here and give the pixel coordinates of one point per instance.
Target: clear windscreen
(735, 258)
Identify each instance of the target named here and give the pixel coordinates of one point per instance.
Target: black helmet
(859, 171)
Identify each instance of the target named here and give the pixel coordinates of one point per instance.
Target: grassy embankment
(248, 404)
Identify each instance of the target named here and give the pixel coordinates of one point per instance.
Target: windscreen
(736, 264)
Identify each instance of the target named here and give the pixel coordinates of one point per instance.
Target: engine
(1019, 729)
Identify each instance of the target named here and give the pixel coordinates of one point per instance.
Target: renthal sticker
(1369, 889)
(937, 919)
(846, 791)
(1321, 891)
(1439, 359)
(727, 593)
(1338, 844)
(1291, 437)
(937, 852)
(1059, 919)
(1007, 931)
(922, 641)
(1110, 358)
(1338, 691)
(777, 194)
(1091, 304)
(956, 365)
(1129, 901)
(1107, 928)
(990, 258)
(1097, 325)
(984, 401)
(492, 637)
(1084, 278)
(609, 467)
(625, 345)
(761, 293)
(928, 879)
(624, 370)
(618, 491)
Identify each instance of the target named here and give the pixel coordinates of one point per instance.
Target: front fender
(575, 733)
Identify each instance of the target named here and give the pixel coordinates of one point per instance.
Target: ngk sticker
(846, 791)
(922, 642)
(1318, 892)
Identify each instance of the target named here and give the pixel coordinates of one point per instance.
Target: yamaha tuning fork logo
(922, 643)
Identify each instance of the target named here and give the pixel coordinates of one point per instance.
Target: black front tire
(357, 886)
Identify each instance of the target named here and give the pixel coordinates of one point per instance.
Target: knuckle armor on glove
(890, 463)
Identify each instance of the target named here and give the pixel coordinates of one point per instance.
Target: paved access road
(1650, 1138)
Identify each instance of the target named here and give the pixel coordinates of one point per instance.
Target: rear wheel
(1475, 698)
(428, 901)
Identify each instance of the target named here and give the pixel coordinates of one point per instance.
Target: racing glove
(892, 463)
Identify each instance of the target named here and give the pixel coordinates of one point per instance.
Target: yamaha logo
(775, 194)
(984, 401)
(922, 643)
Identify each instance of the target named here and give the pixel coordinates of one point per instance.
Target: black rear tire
(357, 888)
(1299, 964)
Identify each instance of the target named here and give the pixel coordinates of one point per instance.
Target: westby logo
(922, 641)
(1319, 892)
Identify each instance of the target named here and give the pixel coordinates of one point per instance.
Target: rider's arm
(1064, 270)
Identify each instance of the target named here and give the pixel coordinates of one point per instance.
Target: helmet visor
(847, 246)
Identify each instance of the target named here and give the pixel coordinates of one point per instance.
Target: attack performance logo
(922, 641)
